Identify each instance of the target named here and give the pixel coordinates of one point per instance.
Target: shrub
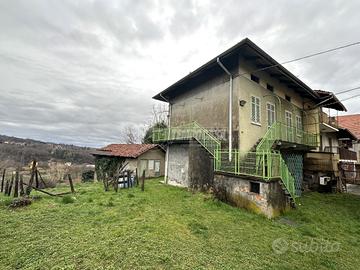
(87, 176)
(20, 202)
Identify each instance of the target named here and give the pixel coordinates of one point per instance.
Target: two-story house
(334, 149)
(241, 124)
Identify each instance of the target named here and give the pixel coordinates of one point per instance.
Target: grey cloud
(79, 71)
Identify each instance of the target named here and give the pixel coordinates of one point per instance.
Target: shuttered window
(255, 110)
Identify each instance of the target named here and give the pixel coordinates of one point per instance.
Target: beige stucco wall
(208, 105)
(325, 140)
(131, 164)
(154, 154)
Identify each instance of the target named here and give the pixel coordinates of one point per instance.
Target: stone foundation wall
(271, 200)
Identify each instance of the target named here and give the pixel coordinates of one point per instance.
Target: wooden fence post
(33, 171)
(137, 178)
(22, 192)
(11, 184)
(3, 180)
(71, 183)
(143, 181)
(16, 187)
(37, 178)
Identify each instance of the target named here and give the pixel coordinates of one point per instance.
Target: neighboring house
(241, 124)
(321, 167)
(352, 123)
(141, 157)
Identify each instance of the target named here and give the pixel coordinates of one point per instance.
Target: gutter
(230, 104)
(167, 146)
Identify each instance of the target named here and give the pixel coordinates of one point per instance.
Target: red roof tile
(125, 150)
(351, 122)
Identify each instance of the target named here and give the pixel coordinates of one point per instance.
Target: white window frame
(299, 127)
(267, 112)
(255, 121)
(289, 129)
(151, 164)
(291, 115)
(158, 162)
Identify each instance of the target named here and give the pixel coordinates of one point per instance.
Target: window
(157, 166)
(298, 125)
(288, 121)
(270, 111)
(255, 110)
(288, 98)
(255, 78)
(151, 164)
(270, 87)
(255, 187)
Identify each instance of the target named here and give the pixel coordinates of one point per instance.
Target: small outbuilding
(141, 157)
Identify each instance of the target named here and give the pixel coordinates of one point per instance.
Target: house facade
(241, 124)
(352, 123)
(334, 151)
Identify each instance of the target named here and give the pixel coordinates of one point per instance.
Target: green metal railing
(247, 163)
(264, 163)
(187, 132)
(281, 132)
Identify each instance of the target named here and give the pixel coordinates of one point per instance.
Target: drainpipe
(230, 104)
(167, 146)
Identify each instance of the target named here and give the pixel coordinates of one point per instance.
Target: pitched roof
(124, 150)
(351, 122)
(329, 100)
(249, 50)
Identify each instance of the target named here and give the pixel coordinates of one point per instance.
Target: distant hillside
(16, 151)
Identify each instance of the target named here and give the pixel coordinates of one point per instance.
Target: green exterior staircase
(264, 162)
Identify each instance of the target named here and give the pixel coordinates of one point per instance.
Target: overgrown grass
(170, 228)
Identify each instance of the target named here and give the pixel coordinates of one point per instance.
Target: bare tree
(160, 113)
(131, 134)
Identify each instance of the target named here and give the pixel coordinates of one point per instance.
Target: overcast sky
(79, 71)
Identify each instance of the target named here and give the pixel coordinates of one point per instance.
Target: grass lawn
(170, 228)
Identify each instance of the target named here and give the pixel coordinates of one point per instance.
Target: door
(157, 168)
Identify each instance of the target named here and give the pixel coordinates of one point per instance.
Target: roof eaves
(252, 45)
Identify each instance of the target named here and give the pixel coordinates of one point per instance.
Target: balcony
(344, 154)
(277, 132)
(294, 135)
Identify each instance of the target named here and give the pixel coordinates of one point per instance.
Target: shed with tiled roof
(141, 157)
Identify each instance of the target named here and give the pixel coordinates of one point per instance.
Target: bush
(68, 199)
(20, 202)
(87, 176)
